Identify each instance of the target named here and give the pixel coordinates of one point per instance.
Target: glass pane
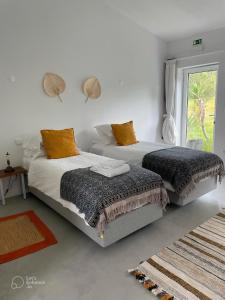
(201, 109)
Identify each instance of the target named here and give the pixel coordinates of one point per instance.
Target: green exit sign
(197, 42)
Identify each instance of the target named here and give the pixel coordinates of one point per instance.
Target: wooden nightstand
(18, 171)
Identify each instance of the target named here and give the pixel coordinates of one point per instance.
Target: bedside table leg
(2, 192)
(23, 186)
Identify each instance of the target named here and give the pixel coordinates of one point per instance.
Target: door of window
(198, 107)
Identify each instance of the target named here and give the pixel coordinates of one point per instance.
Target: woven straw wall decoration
(92, 88)
(53, 85)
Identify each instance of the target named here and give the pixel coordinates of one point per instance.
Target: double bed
(137, 154)
(45, 178)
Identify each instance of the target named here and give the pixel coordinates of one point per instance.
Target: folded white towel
(110, 164)
(112, 172)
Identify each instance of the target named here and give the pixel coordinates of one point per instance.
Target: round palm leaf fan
(53, 85)
(92, 88)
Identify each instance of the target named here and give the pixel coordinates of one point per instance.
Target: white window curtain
(169, 126)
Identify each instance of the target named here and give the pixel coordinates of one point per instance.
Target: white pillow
(105, 133)
(32, 147)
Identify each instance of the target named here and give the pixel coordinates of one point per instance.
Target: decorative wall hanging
(92, 88)
(53, 85)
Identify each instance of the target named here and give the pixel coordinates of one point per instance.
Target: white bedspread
(132, 154)
(45, 174)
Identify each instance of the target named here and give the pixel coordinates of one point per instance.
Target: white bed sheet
(132, 154)
(45, 174)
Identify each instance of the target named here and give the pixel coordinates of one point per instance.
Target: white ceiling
(174, 19)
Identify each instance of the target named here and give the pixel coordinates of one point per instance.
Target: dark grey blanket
(183, 167)
(92, 192)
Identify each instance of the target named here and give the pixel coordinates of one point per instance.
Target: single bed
(44, 178)
(135, 154)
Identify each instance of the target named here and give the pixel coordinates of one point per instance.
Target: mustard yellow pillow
(59, 143)
(124, 133)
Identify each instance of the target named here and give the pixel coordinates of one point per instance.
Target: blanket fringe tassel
(148, 284)
(215, 171)
(156, 196)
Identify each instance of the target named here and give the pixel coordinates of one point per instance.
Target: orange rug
(22, 234)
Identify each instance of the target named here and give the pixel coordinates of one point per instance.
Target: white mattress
(45, 174)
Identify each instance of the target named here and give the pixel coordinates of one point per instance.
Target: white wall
(214, 52)
(212, 41)
(76, 39)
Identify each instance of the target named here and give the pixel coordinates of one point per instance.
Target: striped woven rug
(192, 268)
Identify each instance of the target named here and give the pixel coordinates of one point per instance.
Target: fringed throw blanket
(102, 199)
(183, 167)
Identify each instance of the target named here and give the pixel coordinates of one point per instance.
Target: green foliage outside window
(201, 108)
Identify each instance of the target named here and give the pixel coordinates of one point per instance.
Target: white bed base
(116, 230)
(203, 187)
